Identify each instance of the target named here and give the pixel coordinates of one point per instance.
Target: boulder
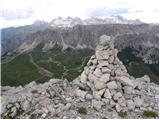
(105, 40)
(92, 77)
(128, 90)
(80, 93)
(111, 59)
(118, 107)
(89, 97)
(86, 70)
(67, 106)
(112, 103)
(138, 101)
(97, 72)
(103, 63)
(26, 105)
(105, 70)
(95, 61)
(98, 94)
(112, 85)
(107, 94)
(118, 72)
(102, 55)
(130, 104)
(117, 96)
(97, 104)
(83, 77)
(99, 85)
(125, 81)
(105, 78)
(122, 102)
(144, 79)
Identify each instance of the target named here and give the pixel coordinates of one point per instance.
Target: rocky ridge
(103, 90)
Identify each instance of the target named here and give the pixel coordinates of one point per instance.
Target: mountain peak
(70, 22)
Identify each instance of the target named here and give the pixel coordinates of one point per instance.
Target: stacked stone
(105, 80)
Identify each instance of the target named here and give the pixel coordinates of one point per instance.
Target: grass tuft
(82, 110)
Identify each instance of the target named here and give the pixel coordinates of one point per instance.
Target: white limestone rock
(144, 79)
(83, 77)
(118, 107)
(111, 59)
(67, 106)
(130, 104)
(112, 103)
(103, 63)
(97, 72)
(107, 94)
(97, 104)
(138, 101)
(102, 55)
(105, 78)
(125, 81)
(122, 102)
(98, 94)
(128, 90)
(112, 85)
(89, 97)
(26, 105)
(92, 77)
(86, 70)
(95, 61)
(105, 70)
(118, 72)
(99, 85)
(80, 93)
(104, 40)
(117, 96)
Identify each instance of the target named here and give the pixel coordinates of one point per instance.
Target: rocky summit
(103, 90)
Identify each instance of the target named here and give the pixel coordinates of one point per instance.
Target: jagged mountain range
(79, 34)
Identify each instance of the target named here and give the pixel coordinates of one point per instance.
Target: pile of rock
(103, 90)
(105, 81)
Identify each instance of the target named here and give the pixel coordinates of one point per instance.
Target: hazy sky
(21, 12)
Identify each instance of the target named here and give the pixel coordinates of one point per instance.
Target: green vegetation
(122, 114)
(136, 67)
(82, 110)
(149, 114)
(109, 110)
(19, 71)
(67, 64)
(64, 64)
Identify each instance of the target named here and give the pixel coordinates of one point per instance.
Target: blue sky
(22, 12)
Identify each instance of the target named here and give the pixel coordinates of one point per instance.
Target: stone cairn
(105, 80)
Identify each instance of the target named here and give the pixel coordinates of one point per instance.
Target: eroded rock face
(104, 84)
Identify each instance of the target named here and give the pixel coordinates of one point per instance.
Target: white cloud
(145, 10)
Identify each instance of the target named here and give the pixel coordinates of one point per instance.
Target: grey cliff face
(143, 38)
(104, 85)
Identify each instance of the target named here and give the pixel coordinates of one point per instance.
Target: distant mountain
(40, 23)
(70, 22)
(14, 36)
